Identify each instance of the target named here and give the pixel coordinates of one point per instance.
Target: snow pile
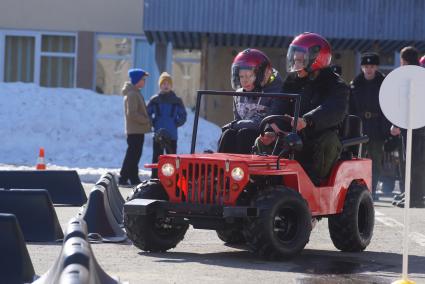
(78, 129)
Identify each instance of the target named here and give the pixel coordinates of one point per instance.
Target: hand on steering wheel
(271, 120)
(301, 123)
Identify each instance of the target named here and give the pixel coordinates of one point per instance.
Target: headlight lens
(167, 169)
(237, 174)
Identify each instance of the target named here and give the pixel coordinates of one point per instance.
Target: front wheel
(150, 232)
(283, 226)
(231, 236)
(352, 229)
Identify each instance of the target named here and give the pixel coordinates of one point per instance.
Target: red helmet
(308, 51)
(422, 61)
(250, 59)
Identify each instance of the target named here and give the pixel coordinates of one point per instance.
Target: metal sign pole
(401, 98)
(406, 230)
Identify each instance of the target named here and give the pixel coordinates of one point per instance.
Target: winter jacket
(167, 111)
(249, 111)
(324, 101)
(364, 102)
(136, 117)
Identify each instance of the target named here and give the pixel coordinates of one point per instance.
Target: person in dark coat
(324, 104)
(251, 72)
(167, 113)
(364, 102)
(410, 56)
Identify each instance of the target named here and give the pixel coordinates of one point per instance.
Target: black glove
(228, 126)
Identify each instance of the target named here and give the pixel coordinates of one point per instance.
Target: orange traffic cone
(41, 165)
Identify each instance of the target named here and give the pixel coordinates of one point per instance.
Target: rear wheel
(352, 229)
(283, 226)
(150, 232)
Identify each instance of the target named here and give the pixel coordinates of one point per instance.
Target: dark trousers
(417, 170)
(130, 165)
(158, 150)
(237, 141)
(319, 154)
(374, 150)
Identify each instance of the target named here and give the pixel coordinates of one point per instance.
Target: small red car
(265, 201)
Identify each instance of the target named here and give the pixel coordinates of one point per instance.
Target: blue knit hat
(136, 74)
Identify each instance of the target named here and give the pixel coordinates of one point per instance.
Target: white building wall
(110, 16)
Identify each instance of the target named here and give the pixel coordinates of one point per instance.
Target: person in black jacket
(251, 72)
(324, 103)
(364, 102)
(410, 56)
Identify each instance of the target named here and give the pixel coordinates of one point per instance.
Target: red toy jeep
(267, 202)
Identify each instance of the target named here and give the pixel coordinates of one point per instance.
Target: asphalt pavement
(203, 258)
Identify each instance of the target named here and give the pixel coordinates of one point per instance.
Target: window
(57, 61)
(114, 58)
(115, 55)
(388, 62)
(187, 70)
(19, 59)
(41, 58)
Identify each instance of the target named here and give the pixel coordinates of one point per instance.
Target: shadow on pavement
(311, 262)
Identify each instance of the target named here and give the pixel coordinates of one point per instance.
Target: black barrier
(75, 274)
(35, 213)
(101, 223)
(76, 263)
(15, 262)
(114, 197)
(76, 254)
(77, 227)
(64, 186)
(115, 187)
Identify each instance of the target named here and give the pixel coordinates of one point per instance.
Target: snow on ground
(79, 129)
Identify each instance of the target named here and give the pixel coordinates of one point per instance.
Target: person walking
(137, 123)
(167, 113)
(364, 102)
(410, 56)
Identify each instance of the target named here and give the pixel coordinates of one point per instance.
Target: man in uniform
(364, 102)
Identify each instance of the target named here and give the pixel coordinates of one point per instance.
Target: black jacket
(324, 100)
(364, 102)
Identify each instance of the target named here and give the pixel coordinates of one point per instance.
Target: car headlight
(167, 169)
(237, 174)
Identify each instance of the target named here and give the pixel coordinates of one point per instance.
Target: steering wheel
(274, 118)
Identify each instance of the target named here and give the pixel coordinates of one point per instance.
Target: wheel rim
(285, 225)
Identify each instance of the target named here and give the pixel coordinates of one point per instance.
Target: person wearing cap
(137, 123)
(409, 55)
(364, 102)
(167, 113)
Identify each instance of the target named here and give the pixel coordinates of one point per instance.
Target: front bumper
(187, 210)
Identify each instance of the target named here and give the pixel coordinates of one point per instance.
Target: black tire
(352, 229)
(283, 226)
(231, 236)
(147, 232)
